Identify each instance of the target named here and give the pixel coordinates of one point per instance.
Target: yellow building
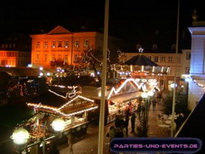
(68, 48)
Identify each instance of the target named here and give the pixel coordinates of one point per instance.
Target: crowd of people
(120, 127)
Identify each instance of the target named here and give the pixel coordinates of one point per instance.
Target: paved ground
(89, 143)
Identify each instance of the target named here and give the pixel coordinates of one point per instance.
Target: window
(77, 44)
(37, 57)
(54, 44)
(46, 44)
(156, 59)
(60, 44)
(66, 44)
(163, 59)
(66, 59)
(38, 45)
(170, 59)
(86, 43)
(188, 56)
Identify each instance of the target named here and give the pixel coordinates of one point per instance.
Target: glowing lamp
(144, 95)
(58, 124)
(173, 85)
(150, 93)
(20, 136)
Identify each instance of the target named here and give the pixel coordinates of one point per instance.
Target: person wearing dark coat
(133, 118)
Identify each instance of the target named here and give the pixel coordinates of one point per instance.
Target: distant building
(68, 48)
(15, 50)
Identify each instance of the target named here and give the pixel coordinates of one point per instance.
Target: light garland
(72, 94)
(198, 84)
(58, 110)
(139, 86)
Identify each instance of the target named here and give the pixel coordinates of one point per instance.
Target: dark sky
(130, 19)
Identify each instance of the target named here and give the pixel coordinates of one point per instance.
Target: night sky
(137, 21)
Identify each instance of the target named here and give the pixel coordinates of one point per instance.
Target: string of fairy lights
(59, 110)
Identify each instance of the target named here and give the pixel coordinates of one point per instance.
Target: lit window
(156, 59)
(86, 43)
(170, 59)
(60, 44)
(163, 59)
(66, 44)
(77, 44)
(54, 44)
(46, 44)
(38, 45)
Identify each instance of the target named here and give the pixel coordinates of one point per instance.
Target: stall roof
(140, 60)
(69, 108)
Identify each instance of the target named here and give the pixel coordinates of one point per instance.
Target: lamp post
(21, 136)
(103, 84)
(174, 89)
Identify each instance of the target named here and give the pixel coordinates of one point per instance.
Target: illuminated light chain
(136, 82)
(79, 112)
(72, 94)
(57, 94)
(62, 86)
(87, 99)
(57, 110)
(43, 107)
(198, 84)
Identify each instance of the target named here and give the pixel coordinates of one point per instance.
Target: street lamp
(58, 124)
(20, 136)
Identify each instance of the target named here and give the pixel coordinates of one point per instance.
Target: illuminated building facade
(69, 48)
(15, 50)
(197, 66)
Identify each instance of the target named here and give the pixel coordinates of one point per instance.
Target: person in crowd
(139, 109)
(133, 118)
(127, 119)
(119, 121)
(142, 108)
(70, 137)
(154, 103)
(111, 133)
(119, 132)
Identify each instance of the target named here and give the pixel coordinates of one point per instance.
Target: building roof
(194, 125)
(140, 60)
(59, 30)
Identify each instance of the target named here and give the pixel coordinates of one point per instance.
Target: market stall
(73, 113)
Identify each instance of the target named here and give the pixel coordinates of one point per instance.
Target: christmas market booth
(50, 121)
(126, 94)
